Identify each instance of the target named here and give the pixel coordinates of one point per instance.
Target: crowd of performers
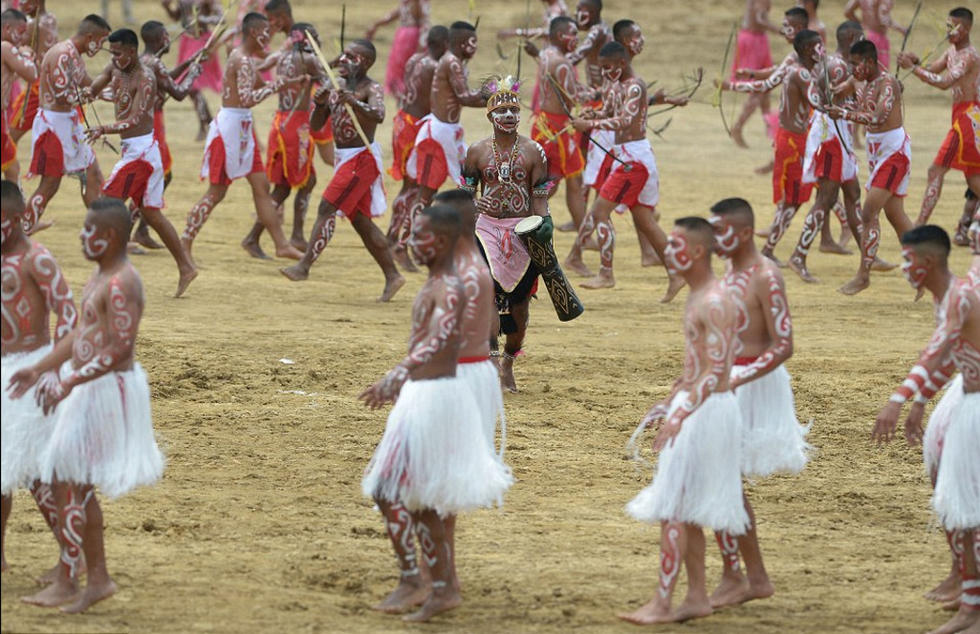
(729, 416)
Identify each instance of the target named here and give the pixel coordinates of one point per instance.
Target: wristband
(921, 399)
(897, 398)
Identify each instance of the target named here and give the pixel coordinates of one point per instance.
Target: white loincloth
(484, 382)
(594, 157)
(933, 439)
(772, 438)
(434, 454)
(956, 498)
(880, 147)
(235, 127)
(698, 480)
(103, 434)
(68, 128)
(450, 137)
(821, 131)
(379, 202)
(640, 151)
(25, 428)
(135, 150)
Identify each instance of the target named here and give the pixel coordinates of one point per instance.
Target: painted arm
(775, 78)
(571, 89)
(457, 81)
(173, 12)
(374, 107)
(100, 83)
(141, 107)
(246, 77)
(20, 65)
(57, 295)
(589, 43)
(177, 90)
(882, 108)
(541, 185)
(632, 106)
(955, 69)
(780, 328)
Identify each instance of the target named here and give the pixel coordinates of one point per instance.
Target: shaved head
(112, 213)
(737, 211)
(698, 230)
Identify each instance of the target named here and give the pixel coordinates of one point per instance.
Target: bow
(908, 31)
(88, 128)
(721, 77)
(698, 77)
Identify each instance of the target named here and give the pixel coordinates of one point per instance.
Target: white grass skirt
(103, 435)
(932, 441)
(484, 382)
(957, 495)
(698, 480)
(772, 438)
(25, 427)
(434, 453)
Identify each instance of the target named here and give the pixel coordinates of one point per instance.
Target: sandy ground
(259, 523)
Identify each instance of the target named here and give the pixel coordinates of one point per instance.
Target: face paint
(611, 72)
(569, 41)
(122, 58)
(263, 36)
(469, 47)
(818, 52)
(677, 255)
(788, 31)
(422, 242)
(18, 34)
(94, 243)
(635, 44)
(582, 17)
(726, 242)
(94, 46)
(6, 228)
(913, 268)
(506, 119)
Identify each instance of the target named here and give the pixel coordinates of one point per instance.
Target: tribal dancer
(16, 62)
(197, 17)
(33, 288)
(156, 41)
(57, 144)
(814, 23)
(697, 482)
(433, 460)
(512, 173)
(139, 173)
(560, 93)
(42, 34)
(772, 438)
(588, 17)
(356, 187)
(876, 19)
(231, 149)
(439, 147)
(829, 161)
(289, 163)
(410, 36)
(789, 191)
(889, 153)
(634, 182)
(955, 342)
(103, 432)
(957, 70)
(413, 106)
(753, 54)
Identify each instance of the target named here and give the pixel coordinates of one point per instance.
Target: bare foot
(947, 590)
(289, 251)
(602, 280)
(961, 621)
(58, 593)
(763, 233)
(567, 227)
(254, 250)
(738, 138)
(591, 245)
(91, 596)
(855, 286)
(143, 238)
(186, 245)
(507, 381)
(772, 256)
(881, 265)
(730, 591)
(296, 273)
(674, 286)
(653, 612)
(299, 244)
(133, 248)
(400, 256)
(52, 575)
(833, 247)
(435, 604)
(406, 596)
(577, 265)
(650, 259)
(391, 287)
(951, 606)
(799, 267)
(692, 609)
(764, 169)
(185, 280)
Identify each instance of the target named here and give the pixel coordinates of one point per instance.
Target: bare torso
(552, 63)
(761, 306)
(134, 94)
(292, 64)
(33, 287)
(875, 14)
(756, 16)
(112, 305)
(709, 331)
(474, 274)
(881, 101)
(438, 308)
(413, 12)
(963, 68)
(14, 64)
(627, 113)
(62, 76)
(450, 91)
(371, 95)
(598, 36)
(419, 71)
(510, 196)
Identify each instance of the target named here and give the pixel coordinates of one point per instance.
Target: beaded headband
(503, 92)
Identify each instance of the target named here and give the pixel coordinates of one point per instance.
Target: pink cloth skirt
(752, 51)
(405, 44)
(212, 75)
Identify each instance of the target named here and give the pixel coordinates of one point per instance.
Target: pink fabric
(212, 75)
(752, 51)
(881, 43)
(405, 44)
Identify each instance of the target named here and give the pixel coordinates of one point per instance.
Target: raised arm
(388, 18)
(771, 292)
(588, 44)
(773, 80)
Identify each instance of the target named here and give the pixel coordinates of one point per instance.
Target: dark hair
(694, 223)
(453, 196)
(251, 20)
(460, 25)
(445, 219)
(437, 34)
(803, 39)
(151, 30)
(368, 46)
(278, 6)
(798, 13)
(597, 4)
(612, 49)
(115, 213)
(865, 49)
(620, 27)
(558, 23)
(846, 27)
(12, 15)
(731, 205)
(962, 13)
(126, 37)
(928, 234)
(305, 27)
(93, 23)
(12, 196)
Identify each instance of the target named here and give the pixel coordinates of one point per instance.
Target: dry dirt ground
(259, 523)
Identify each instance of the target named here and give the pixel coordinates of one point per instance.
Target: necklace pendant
(504, 171)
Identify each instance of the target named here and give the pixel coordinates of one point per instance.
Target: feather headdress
(503, 92)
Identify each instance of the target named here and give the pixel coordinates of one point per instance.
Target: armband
(543, 189)
(469, 184)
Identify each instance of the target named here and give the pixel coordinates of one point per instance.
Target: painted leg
(411, 589)
(521, 314)
(812, 225)
(673, 548)
(377, 246)
(438, 557)
(401, 225)
(784, 216)
(870, 238)
(251, 242)
(268, 215)
(967, 617)
(44, 498)
(934, 189)
(186, 269)
(319, 239)
(733, 586)
(696, 604)
(573, 262)
(301, 204)
(99, 585)
(203, 114)
(38, 202)
(949, 588)
(64, 587)
(646, 224)
(606, 237)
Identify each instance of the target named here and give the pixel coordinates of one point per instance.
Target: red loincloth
(560, 147)
(160, 134)
(290, 152)
(961, 147)
(23, 119)
(787, 173)
(405, 128)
